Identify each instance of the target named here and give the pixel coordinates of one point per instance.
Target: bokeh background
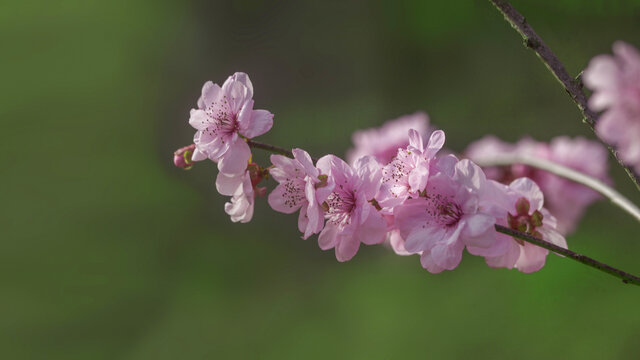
(109, 252)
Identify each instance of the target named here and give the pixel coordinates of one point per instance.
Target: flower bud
(182, 157)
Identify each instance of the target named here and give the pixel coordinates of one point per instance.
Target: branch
(273, 149)
(625, 277)
(555, 66)
(615, 197)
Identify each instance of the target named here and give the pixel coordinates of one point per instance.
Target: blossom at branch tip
(383, 143)
(351, 214)
(223, 119)
(447, 217)
(565, 199)
(615, 81)
(522, 202)
(302, 186)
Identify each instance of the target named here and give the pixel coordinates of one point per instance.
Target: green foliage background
(108, 252)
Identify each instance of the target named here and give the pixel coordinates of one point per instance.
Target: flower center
(340, 203)
(442, 210)
(224, 122)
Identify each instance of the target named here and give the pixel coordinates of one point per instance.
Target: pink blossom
(351, 217)
(408, 172)
(565, 199)
(522, 203)
(447, 218)
(615, 81)
(239, 187)
(224, 116)
(302, 187)
(382, 143)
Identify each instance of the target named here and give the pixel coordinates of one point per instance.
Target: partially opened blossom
(224, 116)
(447, 218)
(615, 81)
(240, 207)
(352, 217)
(566, 199)
(302, 187)
(382, 143)
(408, 172)
(523, 211)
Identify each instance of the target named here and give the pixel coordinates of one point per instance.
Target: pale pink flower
(523, 211)
(351, 217)
(408, 172)
(224, 116)
(239, 187)
(447, 218)
(615, 81)
(565, 199)
(382, 143)
(302, 187)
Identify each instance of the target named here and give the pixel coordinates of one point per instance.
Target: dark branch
(625, 277)
(555, 66)
(273, 149)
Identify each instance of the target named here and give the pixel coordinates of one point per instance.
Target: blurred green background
(109, 252)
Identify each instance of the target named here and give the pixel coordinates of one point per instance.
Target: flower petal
(236, 159)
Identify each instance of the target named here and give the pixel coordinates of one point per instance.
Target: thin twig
(273, 149)
(625, 277)
(555, 66)
(615, 197)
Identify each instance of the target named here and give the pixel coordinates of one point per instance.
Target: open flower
(383, 143)
(523, 211)
(351, 217)
(615, 81)
(243, 188)
(408, 172)
(224, 116)
(302, 187)
(447, 218)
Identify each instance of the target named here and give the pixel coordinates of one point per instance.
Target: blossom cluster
(398, 187)
(615, 82)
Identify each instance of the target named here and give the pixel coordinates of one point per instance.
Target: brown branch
(555, 66)
(273, 149)
(625, 277)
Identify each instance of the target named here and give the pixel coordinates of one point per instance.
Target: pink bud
(182, 157)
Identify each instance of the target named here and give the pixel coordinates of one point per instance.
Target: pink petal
(532, 258)
(305, 160)
(415, 140)
(198, 119)
(427, 262)
(261, 121)
(478, 224)
(418, 178)
(436, 142)
(530, 190)
(244, 80)
(210, 92)
(369, 176)
(282, 201)
(303, 222)
(229, 184)
(198, 155)
(328, 237)
(373, 230)
(347, 248)
(236, 159)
